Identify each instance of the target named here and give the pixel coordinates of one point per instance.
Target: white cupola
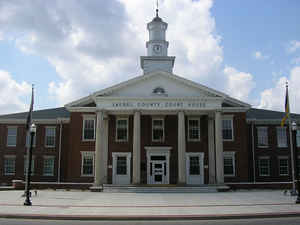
(157, 48)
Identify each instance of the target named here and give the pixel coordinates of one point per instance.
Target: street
(261, 221)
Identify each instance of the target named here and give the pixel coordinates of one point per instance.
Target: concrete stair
(163, 188)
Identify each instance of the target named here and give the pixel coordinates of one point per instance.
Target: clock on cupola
(157, 48)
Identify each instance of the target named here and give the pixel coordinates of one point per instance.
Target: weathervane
(156, 8)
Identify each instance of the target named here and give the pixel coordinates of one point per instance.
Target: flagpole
(291, 145)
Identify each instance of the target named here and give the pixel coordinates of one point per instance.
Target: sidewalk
(50, 204)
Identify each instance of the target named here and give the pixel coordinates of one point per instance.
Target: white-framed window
(48, 169)
(194, 129)
(9, 165)
(262, 137)
(283, 162)
(158, 134)
(87, 163)
(298, 138)
(25, 165)
(12, 136)
(50, 133)
(281, 137)
(88, 131)
(28, 139)
(264, 166)
(122, 129)
(229, 164)
(227, 128)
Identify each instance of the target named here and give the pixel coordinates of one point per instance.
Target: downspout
(59, 152)
(253, 154)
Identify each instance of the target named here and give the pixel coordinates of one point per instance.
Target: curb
(151, 217)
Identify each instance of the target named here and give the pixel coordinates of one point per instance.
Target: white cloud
(239, 84)
(296, 60)
(12, 94)
(259, 56)
(293, 46)
(94, 44)
(273, 98)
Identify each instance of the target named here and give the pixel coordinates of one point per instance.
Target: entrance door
(158, 172)
(194, 168)
(121, 168)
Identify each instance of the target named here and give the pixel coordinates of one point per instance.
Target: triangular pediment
(155, 85)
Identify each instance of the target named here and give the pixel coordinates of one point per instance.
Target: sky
(72, 48)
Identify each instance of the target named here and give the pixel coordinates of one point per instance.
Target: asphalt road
(265, 221)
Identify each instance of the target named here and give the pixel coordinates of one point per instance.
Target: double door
(158, 172)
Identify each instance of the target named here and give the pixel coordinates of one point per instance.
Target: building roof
(53, 113)
(62, 112)
(263, 114)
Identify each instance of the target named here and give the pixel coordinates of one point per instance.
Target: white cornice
(81, 109)
(36, 121)
(268, 121)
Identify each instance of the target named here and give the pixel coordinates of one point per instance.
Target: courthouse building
(157, 128)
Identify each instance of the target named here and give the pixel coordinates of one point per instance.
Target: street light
(29, 158)
(294, 130)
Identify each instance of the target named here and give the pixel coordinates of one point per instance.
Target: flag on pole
(29, 116)
(287, 106)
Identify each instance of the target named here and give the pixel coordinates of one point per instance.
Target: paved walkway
(91, 205)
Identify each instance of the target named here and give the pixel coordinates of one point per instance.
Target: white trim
(88, 154)
(86, 118)
(269, 166)
(50, 127)
(199, 129)
(9, 157)
(158, 151)
(121, 179)
(191, 179)
(228, 117)
(283, 157)
(231, 155)
(16, 136)
(127, 130)
(257, 137)
(48, 157)
(163, 128)
(35, 121)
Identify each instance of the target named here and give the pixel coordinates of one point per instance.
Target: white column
(181, 149)
(211, 151)
(101, 149)
(136, 170)
(219, 148)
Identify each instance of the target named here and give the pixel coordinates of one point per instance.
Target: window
(283, 166)
(88, 129)
(229, 163)
(50, 136)
(281, 137)
(48, 166)
(262, 137)
(158, 130)
(28, 139)
(122, 129)
(9, 165)
(194, 165)
(227, 129)
(25, 165)
(12, 136)
(87, 163)
(194, 129)
(264, 166)
(298, 138)
(121, 165)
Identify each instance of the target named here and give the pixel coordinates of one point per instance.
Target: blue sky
(71, 48)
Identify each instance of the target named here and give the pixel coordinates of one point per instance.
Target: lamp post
(29, 158)
(294, 130)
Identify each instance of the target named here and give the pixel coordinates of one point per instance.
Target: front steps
(163, 188)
